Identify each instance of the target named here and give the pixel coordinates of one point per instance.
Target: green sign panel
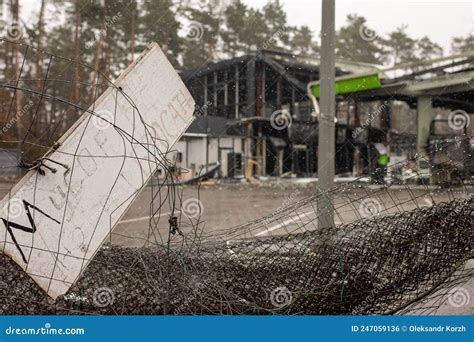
(352, 85)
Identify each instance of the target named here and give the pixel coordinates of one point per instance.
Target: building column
(206, 152)
(424, 116)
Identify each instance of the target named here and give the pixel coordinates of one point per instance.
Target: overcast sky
(439, 20)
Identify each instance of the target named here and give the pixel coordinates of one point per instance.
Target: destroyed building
(239, 102)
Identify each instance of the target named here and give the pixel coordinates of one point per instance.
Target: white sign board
(53, 224)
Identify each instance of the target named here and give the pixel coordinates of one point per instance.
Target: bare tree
(98, 49)
(39, 61)
(16, 53)
(77, 54)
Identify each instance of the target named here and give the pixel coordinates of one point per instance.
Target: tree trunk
(132, 33)
(39, 68)
(98, 49)
(39, 62)
(108, 52)
(76, 91)
(16, 53)
(109, 41)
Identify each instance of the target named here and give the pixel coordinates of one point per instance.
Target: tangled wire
(371, 266)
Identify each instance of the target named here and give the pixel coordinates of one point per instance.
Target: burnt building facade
(256, 108)
(254, 112)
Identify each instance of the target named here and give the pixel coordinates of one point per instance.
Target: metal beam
(460, 81)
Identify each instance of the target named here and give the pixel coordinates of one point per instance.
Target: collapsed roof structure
(256, 107)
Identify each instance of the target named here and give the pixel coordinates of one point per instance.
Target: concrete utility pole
(326, 148)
